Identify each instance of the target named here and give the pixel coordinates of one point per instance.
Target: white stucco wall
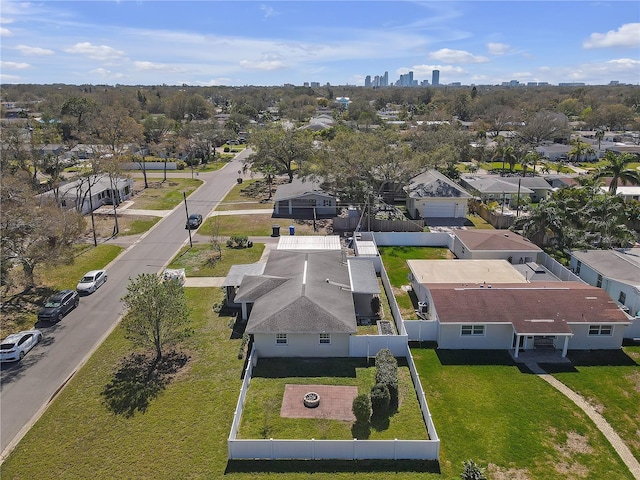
(301, 345)
(460, 251)
(496, 336)
(581, 339)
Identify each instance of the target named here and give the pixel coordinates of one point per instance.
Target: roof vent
(506, 235)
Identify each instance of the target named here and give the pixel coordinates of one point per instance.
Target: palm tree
(509, 155)
(599, 136)
(616, 168)
(580, 149)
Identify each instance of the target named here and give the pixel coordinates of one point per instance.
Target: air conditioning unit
(423, 307)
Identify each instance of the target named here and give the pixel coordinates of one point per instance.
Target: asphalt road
(27, 387)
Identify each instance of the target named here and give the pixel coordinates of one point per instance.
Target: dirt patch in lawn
(501, 473)
(335, 402)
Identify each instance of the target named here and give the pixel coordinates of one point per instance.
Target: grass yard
(20, 308)
(164, 196)
(261, 417)
(610, 381)
(127, 224)
(248, 195)
(479, 222)
(197, 260)
(259, 225)
(395, 260)
(485, 409)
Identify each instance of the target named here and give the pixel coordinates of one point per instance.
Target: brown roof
(539, 308)
(504, 240)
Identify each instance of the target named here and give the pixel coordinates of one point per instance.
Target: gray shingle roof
(435, 185)
(494, 185)
(294, 297)
(363, 276)
(622, 265)
(297, 188)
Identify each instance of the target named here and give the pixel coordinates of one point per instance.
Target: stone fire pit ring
(311, 400)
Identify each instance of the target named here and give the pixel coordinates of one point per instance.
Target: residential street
(27, 387)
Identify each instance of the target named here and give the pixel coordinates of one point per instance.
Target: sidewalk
(614, 439)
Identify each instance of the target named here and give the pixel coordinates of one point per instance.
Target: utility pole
(93, 222)
(184, 195)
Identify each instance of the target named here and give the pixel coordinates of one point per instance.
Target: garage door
(440, 210)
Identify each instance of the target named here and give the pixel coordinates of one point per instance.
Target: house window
(325, 338)
(622, 298)
(326, 203)
(599, 281)
(281, 339)
(578, 265)
(601, 330)
(472, 330)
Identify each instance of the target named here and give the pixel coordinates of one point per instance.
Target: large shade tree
(157, 315)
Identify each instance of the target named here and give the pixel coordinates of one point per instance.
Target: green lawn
(198, 260)
(246, 196)
(138, 225)
(261, 417)
(256, 225)
(479, 222)
(486, 409)
(165, 195)
(395, 260)
(611, 383)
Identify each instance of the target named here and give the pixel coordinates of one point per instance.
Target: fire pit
(311, 400)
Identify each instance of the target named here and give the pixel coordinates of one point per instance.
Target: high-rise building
(385, 80)
(367, 81)
(435, 77)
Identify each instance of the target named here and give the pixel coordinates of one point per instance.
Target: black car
(194, 221)
(58, 305)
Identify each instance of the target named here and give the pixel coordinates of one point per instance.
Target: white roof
(313, 242)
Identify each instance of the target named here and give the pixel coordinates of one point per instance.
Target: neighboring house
(555, 151)
(433, 195)
(494, 244)
(490, 188)
(91, 192)
(539, 186)
(627, 192)
(615, 271)
(303, 199)
(562, 315)
(306, 302)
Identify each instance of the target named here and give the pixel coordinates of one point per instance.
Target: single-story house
(90, 192)
(433, 195)
(540, 187)
(494, 244)
(555, 151)
(615, 271)
(306, 303)
(490, 188)
(565, 315)
(303, 199)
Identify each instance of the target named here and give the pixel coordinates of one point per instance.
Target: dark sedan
(58, 305)
(194, 221)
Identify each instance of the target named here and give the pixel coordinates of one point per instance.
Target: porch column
(244, 311)
(290, 207)
(565, 346)
(517, 346)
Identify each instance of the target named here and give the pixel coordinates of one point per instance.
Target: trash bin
(292, 229)
(275, 230)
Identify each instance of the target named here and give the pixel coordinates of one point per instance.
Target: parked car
(91, 281)
(16, 345)
(194, 221)
(58, 305)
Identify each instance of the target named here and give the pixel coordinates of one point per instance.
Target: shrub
(380, 398)
(361, 408)
(375, 305)
(472, 471)
(227, 149)
(181, 165)
(238, 241)
(387, 372)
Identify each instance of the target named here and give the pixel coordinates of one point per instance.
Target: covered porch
(542, 336)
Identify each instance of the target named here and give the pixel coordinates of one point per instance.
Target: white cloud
(426, 70)
(15, 65)
(268, 65)
(448, 55)
(498, 48)
(269, 11)
(35, 51)
(104, 73)
(4, 78)
(627, 35)
(156, 67)
(96, 52)
(5, 32)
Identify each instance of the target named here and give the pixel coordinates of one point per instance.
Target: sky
(237, 43)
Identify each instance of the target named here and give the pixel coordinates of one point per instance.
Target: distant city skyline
(341, 43)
